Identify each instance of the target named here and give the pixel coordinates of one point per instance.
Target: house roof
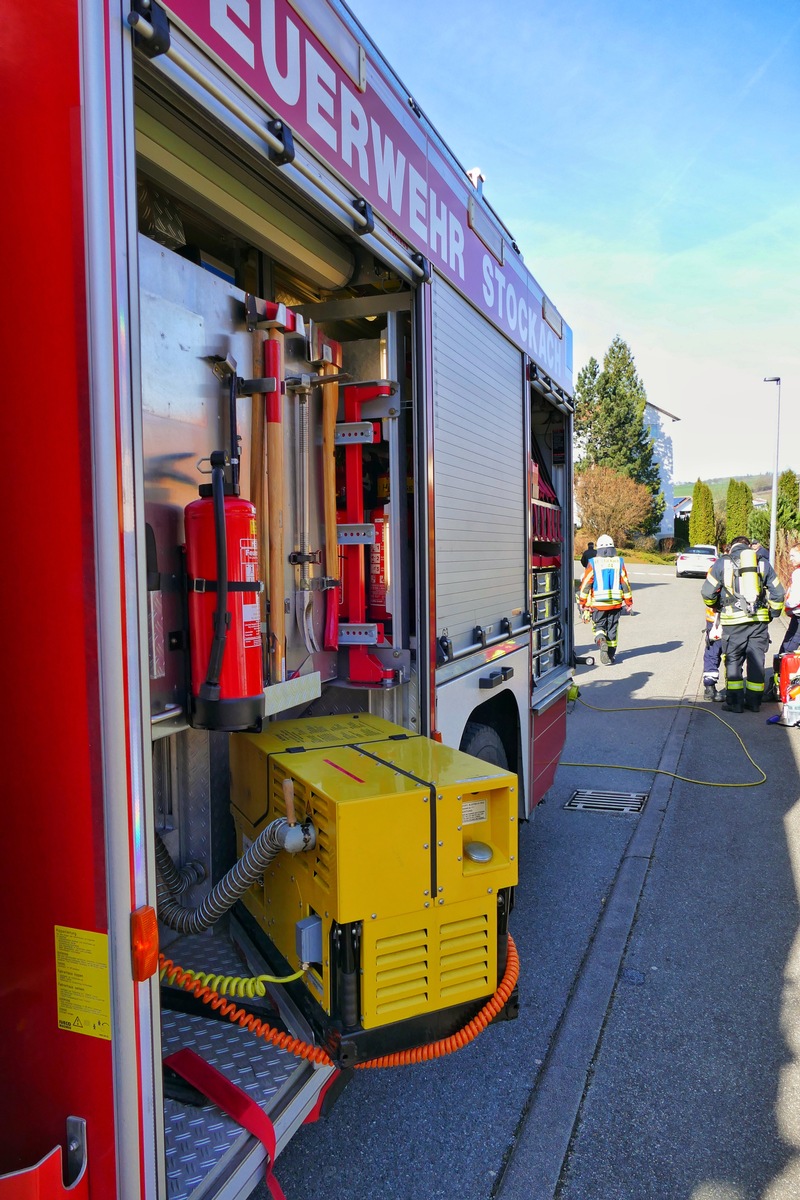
(663, 411)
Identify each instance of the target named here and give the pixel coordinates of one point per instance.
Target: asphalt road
(654, 1052)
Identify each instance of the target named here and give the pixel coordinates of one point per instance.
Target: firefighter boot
(752, 701)
(711, 693)
(734, 701)
(602, 644)
(773, 682)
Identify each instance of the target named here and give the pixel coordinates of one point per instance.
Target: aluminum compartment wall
(478, 471)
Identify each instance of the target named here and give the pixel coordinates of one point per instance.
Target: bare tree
(611, 503)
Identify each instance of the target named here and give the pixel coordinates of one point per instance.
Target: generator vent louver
(401, 972)
(320, 813)
(597, 800)
(308, 806)
(278, 801)
(464, 956)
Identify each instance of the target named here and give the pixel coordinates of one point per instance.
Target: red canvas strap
(233, 1101)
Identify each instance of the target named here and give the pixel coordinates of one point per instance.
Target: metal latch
(223, 368)
(495, 678)
(304, 383)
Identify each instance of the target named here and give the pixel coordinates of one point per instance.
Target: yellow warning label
(84, 1002)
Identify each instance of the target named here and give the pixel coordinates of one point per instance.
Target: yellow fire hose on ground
(575, 696)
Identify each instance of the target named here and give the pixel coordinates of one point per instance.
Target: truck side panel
(52, 857)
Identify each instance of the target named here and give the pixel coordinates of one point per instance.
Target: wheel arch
(501, 714)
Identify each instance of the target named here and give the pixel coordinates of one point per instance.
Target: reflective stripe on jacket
(605, 583)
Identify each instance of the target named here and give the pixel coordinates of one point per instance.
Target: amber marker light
(144, 943)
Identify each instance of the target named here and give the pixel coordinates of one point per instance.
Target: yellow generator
(401, 909)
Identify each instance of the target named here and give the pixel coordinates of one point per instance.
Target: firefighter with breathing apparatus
(747, 593)
(605, 587)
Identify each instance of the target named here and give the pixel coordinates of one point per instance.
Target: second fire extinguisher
(379, 566)
(379, 562)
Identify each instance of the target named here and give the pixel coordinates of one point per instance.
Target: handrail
(350, 206)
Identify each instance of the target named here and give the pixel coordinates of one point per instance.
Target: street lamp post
(774, 514)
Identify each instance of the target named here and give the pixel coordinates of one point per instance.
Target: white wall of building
(663, 455)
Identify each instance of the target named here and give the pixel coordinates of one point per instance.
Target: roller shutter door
(478, 470)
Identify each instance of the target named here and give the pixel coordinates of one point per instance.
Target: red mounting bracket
(45, 1180)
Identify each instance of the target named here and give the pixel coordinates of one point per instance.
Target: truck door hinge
(424, 265)
(363, 207)
(150, 27)
(281, 131)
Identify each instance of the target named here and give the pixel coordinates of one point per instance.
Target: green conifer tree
(739, 506)
(788, 499)
(585, 408)
(731, 507)
(695, 514)
(702, 522)
(611, 430)
(758, 526)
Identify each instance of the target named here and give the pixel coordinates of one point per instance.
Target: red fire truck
(307, 421)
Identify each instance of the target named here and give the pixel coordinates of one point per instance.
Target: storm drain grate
(596, 800)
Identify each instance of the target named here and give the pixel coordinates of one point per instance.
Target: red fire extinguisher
(227, 689)
(789, 677)
(379, 561)
(379, 567)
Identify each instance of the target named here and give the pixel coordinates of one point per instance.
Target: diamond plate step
(197, 1139)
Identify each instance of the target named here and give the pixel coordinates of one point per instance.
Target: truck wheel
(484, 742)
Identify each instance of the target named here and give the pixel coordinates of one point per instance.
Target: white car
(697, 560)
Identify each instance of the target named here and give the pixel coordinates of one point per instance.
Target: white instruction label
(473, 811)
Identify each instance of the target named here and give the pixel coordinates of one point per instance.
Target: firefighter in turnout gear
(604, 588)
(747, 593)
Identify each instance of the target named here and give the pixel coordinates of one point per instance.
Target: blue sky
(646, 158)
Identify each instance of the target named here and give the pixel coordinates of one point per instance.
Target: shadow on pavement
(695, 1089)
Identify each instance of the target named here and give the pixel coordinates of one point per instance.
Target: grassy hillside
(719, 487)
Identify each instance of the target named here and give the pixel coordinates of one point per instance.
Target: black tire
(481, 741)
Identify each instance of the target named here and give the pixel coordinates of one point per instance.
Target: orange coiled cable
(402, 1058)
(470, 1031)
(239, 1016)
